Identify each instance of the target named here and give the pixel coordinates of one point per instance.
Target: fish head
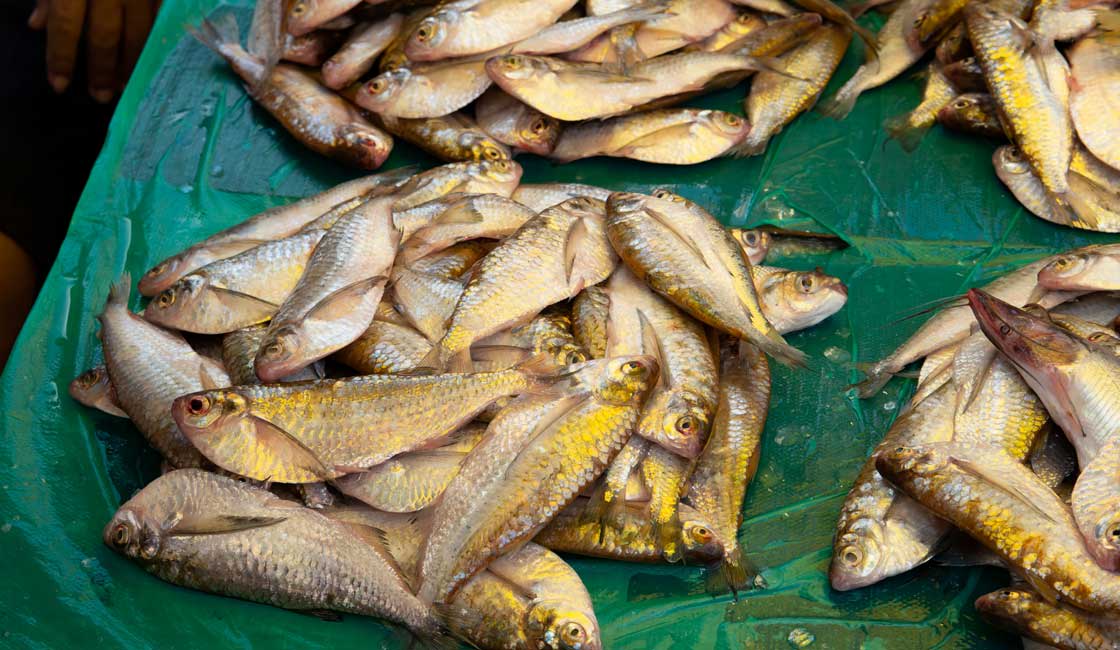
(857, 556)
(666, 195)
(207, 413)
(677, 420)
(700, 543)
(134, 534)
(754, 242)
(728, 125)
(364, 146)
(1081, 272)
(1106, 534)
(301, 14)
(557, 625)
(537, 133)
(798, 300)
(562, 350)
(502, 172)
(624, 203)
(1010, 160)
(1037, 346)
(483, 147)
(90, 386)
(379, 92)
(515, 67)
(278, 356)
(430, 33)
(626, 379)
(902, 465)
(1011, 608)
(160, 276)
(180, 303)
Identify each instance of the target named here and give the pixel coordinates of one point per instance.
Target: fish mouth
(625, 202)
(1029, 341)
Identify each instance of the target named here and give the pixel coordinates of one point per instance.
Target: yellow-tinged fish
(451, 138)
(627, 536)
(311, 49)
(538, 196)
(775, 99)
(966, 75)
(675, 136)
(274, 223)
(361, 49)
(1033, 116)
(316, 116)
(684, 254)
(92, 388)
(1095, 207)
(404, 483)
(747, 22)
(725, 468)
(394, 57)
(465, 217)
(385, 349)
(775, 38)
(1003, 505)
(895, 54)
(549, 335)
(239, 350)
(455, 261)
(304, 16)
(796, 300)
(590, 311)
(936, 21)
(552, 257)
(537, 456)
(320, 430)
(149, 367)
(425, 90)
(513, 123)
(1024, 612)
(754, 242)
(909, 128)
(484, 177)
(464, 27)
(1095, 101)
(208, 532)
(678, 24)
(1093, 270)
(569, 35)
(1016, 172)
(973, 113)
(337, 295)
(426, 300)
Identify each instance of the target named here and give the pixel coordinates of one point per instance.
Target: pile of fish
(1041, 74)
(470, 80)
(539, 368)
(1008, 453)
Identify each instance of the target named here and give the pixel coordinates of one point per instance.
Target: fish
(776, 7)
(459, 28)
(628, 537)
(675, 136)
(311, 49)
(455, 261)
(966, 75)
(538, 197)
(777, 37)
(394, 57)
(1043, 131)
(895, 54)
(239, 349)
(274, 223)
(1094, 270)
(360, 51)
(92, 388)
(149, 367)
(666, 240)
(236, 292)
(572, 91)
(316, 116)
(909, 128)
(514, 124)
(537, 456)
(208, 532)
(745, 23)
(1004, 506)
(548, 336)
(726, 466)
(1094, 207)
(321, 430)
(935, 22)
(972, 113)
(483, 177)
(552, 257)
(1077, 382)
(1095, 66)
(405, 483)
(755, 243)
(465, 217)
(1023, 611)
(776, 99)
(426, 300)
(952, 324)
(796, 300)
(337, 294)
(451, 138)
(570, 35)
(425, 90)
(679, 23)
(304, 16)
(1015, 171)
(385, 349)
(590, 311)
(954, 45)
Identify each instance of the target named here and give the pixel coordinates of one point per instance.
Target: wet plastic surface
(188, 154)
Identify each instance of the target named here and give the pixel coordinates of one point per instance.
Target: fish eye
(120, 535)
(1005, 329)
(492, 153)
(158, 269)
(1100, 337)
(1006, 593)
(574, 632)
(686, 425)
(661, 194)
(851, 555)
(512, 61)
(751, 238)
(298, 8)
(732, 119)
(166, 299)
(701, 534)
(376, 86)
(274, 348)
(425, 32)
(962, 103)
(632, 367)
(538, 126)
(574, 358)
(199, 405)
(806, 283)
(1014, 154)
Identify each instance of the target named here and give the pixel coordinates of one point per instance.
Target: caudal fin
(775, 346)
(908, 134)
(119, 292)
(839, 105)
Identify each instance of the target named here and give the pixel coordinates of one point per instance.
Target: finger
(38, 18)
(137, 24)
(64, 29)
(103, 39)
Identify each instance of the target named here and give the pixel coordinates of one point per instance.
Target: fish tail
(749, 147)
(454, 617)
(435, 635)
(877, 377)
(775, 346)
(266, 34)
(735, 573)
(908, 134)
(217, 34)
(119, 292)
(839, 105)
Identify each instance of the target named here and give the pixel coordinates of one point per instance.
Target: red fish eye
(198, 405)
(1004, 329)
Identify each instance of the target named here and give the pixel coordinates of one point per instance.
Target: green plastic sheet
(188, 154)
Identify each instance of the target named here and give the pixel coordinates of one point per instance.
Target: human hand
(115, 31)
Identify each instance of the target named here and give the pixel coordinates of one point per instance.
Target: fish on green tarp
(1023, 611)
(92, 388)
(451, 138)
(460, 28)
(796, 300)
(359, 52)
(516, 124)
(972, 113)
(676, 136)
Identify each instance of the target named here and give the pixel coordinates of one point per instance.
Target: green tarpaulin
(189, 154)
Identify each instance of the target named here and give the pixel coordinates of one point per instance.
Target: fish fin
(683, 237)
(229, 249)
(675, 133)
(930, 307)
(120, 290)
(216, 524)
(737, 574)
(962, 550)
(461, 212)
(236, 301)
(627, 52)
(986, 474)
(907, 134)
(327, 615)
(504, 355)
(431, 364)
(460, 362)
(748, 147)
(651, 345)
(573, 243)
(457, 617)
(343, 301)
(558, 410)
(111, 407)
(290, 450)
(379, 539)
(873, 382)
(266, 34)
(839, 105)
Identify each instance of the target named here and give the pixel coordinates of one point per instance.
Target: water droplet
(890, 406)
(217, 170)
(837, 355)
(87, 562)
(186, 189)
(5, 528)
(799, 637)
